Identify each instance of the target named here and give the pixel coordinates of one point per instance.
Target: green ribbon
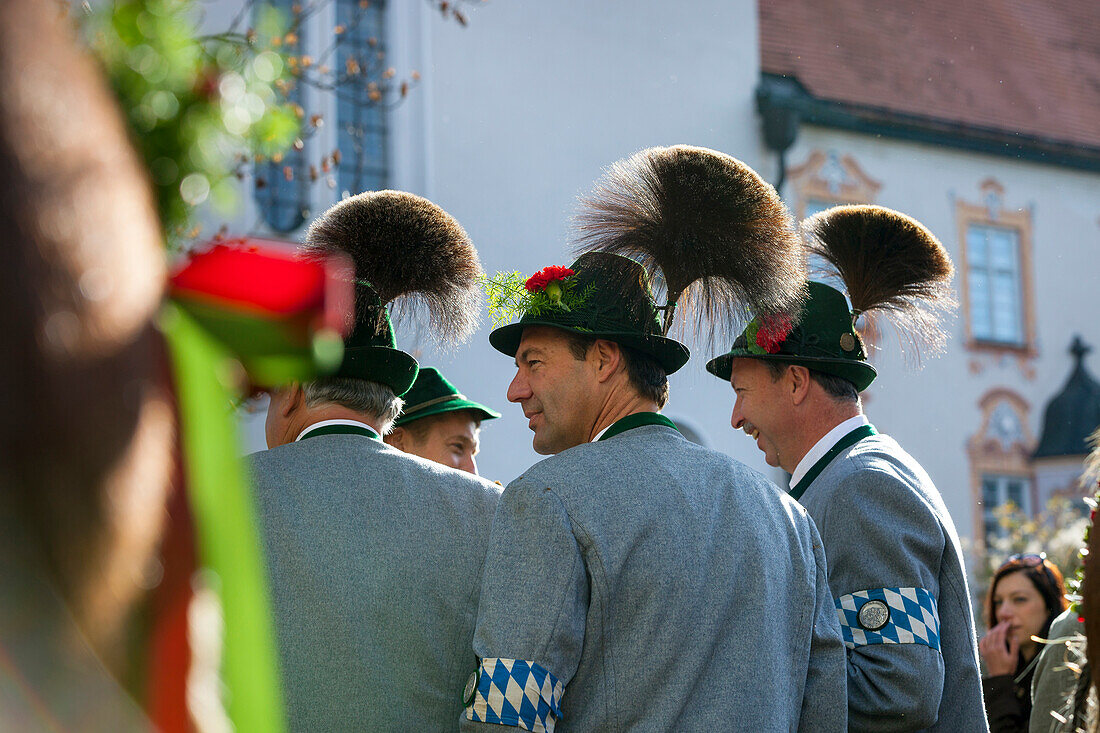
(863, 431)
(341, 430)
(226, 531)
(637, 420)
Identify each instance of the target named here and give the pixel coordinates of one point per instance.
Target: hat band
(434, 401)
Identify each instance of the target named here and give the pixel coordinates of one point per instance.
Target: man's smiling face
(760, 406)
(556, 390)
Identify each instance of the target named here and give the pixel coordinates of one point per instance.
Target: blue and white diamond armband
(889, 616)
(514, 692)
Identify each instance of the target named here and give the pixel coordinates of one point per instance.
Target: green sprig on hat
(510, 295)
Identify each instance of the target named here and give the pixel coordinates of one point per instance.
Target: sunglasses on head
(1028, 558)
(1035, 560)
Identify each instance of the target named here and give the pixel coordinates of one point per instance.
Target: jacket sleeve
(1058, 681)
(1003, 711)
(531, 616)
(823, 702)
(885, 545)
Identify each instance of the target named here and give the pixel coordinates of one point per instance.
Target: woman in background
(1025, 596)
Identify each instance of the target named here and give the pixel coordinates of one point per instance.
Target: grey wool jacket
(898, 580)
(644, 583)
(374, 558)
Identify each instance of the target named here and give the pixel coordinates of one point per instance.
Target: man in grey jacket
(895, 565)
(635, 580)
(374, 555)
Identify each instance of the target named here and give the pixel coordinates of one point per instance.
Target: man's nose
(737, 420)
(519, 389)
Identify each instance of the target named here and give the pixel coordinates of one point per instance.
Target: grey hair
(371, 398)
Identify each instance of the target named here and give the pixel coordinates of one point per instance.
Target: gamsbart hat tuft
(694, 223)
(890, 265)
(408, 254)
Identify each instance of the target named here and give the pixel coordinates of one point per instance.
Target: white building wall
(529, 103)
(934, 411)
(517, 114)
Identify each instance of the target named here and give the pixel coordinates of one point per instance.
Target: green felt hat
(824, 339)
(607, 297)
(432, 394)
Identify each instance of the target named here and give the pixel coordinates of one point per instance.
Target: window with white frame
(993, 277)
(999, 491)
(360, 108)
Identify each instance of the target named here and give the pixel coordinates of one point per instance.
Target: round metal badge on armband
(873, 615)
(471, 687)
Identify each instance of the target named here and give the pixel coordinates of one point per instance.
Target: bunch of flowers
(511, 296)
(766, 334)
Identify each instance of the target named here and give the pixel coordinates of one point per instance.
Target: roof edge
(778, 91)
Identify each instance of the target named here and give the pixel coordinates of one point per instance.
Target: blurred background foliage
(196, 105)
(1059, 531)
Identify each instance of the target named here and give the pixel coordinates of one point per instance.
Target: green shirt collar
(339, 427)
(635, 420)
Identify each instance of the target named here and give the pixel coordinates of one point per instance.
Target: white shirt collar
(822, 446)
(324, 423)
(600, 434)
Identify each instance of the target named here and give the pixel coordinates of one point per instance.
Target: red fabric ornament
(545, 276)
(773, 331)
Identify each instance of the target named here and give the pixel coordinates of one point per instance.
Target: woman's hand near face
(999, 650)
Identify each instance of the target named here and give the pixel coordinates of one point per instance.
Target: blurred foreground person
(1025, 596)
(895, 564)
(1062, 695)
(374, 555)
(439, 423)
(636, 580)
(86, 429)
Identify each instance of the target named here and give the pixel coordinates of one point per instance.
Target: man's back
(375, 564)
(675, 589)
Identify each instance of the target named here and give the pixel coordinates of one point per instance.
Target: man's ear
(396, 438)
(608, 356)
(800, 382)
(295, 397)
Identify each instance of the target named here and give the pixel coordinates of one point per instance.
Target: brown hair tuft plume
(706, 227)
(889, 263)
(406, 251)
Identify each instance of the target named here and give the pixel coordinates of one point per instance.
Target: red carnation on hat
(773, 331)
(545, 276)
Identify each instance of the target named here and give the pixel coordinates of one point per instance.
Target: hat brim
(455, 405)
(671, 355)
(859, 373)
(391, 367)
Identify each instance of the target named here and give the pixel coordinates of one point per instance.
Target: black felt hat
(606, 297)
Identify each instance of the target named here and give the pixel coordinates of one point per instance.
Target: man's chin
(547, 446)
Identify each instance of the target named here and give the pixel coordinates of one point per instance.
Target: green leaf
(225, 521)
